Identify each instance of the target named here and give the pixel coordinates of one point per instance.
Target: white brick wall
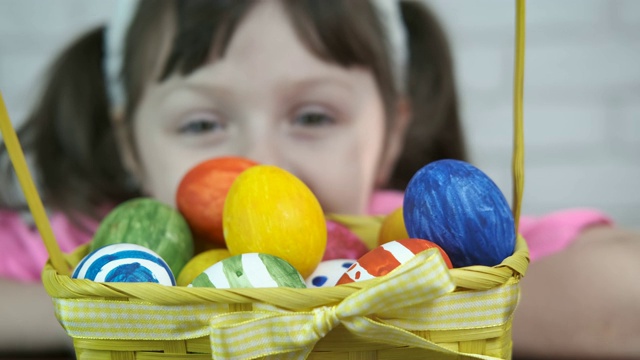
(582, 96)
(582, 99)
(31, 32)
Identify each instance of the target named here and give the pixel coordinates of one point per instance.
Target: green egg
(149, 223)
(252, 270)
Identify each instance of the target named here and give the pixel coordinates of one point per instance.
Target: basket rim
(471, 278)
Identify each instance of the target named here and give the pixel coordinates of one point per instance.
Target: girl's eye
(201, 125)
(313, 119)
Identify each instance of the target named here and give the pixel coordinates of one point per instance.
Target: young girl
(353, 97)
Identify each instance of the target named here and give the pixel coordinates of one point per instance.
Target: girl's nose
(264, 150)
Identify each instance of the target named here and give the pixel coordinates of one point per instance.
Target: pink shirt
(22, 252)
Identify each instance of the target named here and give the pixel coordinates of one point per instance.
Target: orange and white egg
(386, 257)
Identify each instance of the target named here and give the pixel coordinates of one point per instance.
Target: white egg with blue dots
(328, 273)
(124, 263)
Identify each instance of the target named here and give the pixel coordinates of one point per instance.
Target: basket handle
(31, 193)
(58, 261)
(517, 163)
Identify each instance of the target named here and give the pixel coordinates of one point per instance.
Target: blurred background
(582, 89)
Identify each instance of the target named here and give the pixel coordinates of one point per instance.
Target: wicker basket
(151, 321)
(420, 310)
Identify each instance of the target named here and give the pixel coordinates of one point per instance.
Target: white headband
(397, 44)
(117, 28)
(114, 42)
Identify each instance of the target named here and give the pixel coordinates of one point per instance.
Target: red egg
(201, 194)
(386, 257)
(342, 243)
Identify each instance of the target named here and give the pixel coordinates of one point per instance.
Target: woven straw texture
(420, 310)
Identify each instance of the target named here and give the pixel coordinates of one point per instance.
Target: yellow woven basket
(420, 310)
(466, 311)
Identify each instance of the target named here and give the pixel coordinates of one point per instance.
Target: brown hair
(72, 139)
(69, 134)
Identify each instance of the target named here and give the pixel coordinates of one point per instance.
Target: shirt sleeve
(384, 202)
(22, 251)
(554, 232)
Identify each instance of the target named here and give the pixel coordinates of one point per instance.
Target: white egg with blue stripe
(124, 263)
(251, 270)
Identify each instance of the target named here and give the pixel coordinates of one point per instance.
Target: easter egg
(151, 224)
(342, 243)
(199, 264)
(251, 270)
(386, 257)
(201, 194)
(458, 207)
(124, 263)
(392, 228)
(328, 273)
(268, 210)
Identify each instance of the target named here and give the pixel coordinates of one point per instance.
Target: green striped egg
(251, 270)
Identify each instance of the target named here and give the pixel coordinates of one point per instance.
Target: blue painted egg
(124, 263)
(328, 273)
(457, 206)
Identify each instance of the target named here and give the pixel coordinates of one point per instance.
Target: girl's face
(268, 99)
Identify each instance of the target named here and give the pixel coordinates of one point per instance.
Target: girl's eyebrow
(331, 81)
(285, 86)
(206, 88)
(198, 88)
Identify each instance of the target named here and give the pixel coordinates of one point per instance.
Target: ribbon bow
(279, 333)
(410, 297)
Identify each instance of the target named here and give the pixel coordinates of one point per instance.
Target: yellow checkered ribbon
(292, 335)
(134, 320)
(460, 310)
(408, 298)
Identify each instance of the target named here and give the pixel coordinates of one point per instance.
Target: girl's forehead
(266, 47)
(286, 35)
(266, 34)
(202, 32)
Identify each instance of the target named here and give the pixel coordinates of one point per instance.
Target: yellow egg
(199, 263)
(393, 228)
(269, 210)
